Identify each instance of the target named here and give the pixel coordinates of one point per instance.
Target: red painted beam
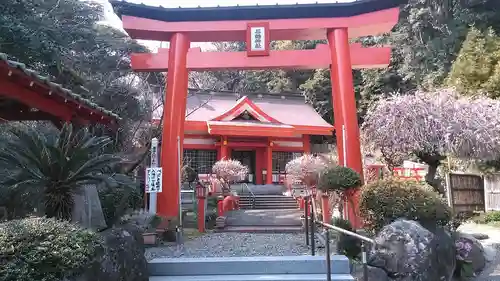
(281, 29)
(302, 59)
(23, 115)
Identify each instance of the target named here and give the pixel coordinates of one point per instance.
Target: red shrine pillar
(269, 162)
(224, 151)
(306, 144)
(342, 74)
(337, 108)
(174, 112)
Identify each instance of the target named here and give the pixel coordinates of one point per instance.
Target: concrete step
(263, 229)
(268, 207)
(247, 266)
(239, 277)
(277, 201)
(266, 196)
(276, 206)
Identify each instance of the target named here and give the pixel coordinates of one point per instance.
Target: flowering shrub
(305, 168)
(228, 171)
(464, 265)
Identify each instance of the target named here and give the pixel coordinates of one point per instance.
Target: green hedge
(386, 200)
(41, 249)
(493, 216)
(339, 179)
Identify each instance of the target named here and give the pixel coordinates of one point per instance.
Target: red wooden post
(269, 163)
(325, 208)
(339, 43)
(173, 124)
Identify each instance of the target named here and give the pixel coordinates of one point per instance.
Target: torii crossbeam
(258, 26)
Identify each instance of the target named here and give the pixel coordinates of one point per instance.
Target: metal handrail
(347, 232)
(251, 193)
(328, 227)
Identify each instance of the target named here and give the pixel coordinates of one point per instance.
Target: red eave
(16, 83)
(202, 127)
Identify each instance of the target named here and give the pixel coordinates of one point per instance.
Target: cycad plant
(52, 167)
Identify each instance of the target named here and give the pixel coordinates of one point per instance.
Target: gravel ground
(235, 245)
(492, 270)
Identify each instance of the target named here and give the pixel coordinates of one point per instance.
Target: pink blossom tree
(306, 168)
(229, 171)
(432, 125)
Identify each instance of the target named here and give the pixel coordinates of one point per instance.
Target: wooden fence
(466, 192)
(492, 192)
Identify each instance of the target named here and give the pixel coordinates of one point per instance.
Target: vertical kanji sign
(153, 180)
(258, 43)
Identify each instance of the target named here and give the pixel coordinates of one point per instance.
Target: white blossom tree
(228, 171)
(433, 125)
(306, 168)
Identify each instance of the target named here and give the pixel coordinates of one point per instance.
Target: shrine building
(263, 131)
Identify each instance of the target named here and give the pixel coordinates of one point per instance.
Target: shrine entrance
(258, 26)
(247, 158)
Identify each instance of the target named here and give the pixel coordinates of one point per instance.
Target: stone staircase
(263, 202)
(293, 268)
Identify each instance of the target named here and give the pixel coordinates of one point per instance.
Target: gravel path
(235, 245)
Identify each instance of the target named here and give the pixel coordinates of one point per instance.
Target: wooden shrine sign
(258, 42)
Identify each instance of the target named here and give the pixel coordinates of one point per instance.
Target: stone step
(266, 196)
(269, 202)
(273, 207)
(239, 277)
(277, 199)
(263, 229)
(247, 266)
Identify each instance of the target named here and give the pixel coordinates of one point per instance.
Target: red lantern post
(201, 195)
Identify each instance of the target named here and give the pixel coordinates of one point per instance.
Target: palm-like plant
(55, 167)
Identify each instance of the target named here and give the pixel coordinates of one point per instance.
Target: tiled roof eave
(255, 12)
(56, 88)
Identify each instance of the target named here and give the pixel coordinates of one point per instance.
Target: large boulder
(409, 252)
(121, 258)
(477, 255)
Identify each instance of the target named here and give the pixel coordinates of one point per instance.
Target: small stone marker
(220, 222)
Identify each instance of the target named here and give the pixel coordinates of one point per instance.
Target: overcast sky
(113, 20)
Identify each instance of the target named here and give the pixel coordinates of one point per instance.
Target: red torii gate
(257, 26)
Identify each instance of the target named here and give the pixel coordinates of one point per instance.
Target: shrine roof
(257, 12)
(54, 88)
(287, 109)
